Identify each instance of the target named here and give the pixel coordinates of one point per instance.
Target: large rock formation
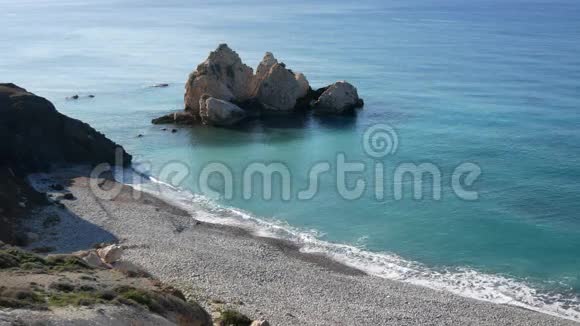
(35, 135)
(274, 88)
(339, 98)
(222, 75)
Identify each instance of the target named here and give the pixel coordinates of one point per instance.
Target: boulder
(110, 254)
(216, 112)
(222, 75)
(339, 98)
(93, 260)
(260, 323)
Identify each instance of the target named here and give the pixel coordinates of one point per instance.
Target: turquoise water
(496, 83)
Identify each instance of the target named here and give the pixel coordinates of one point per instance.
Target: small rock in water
(164, 129)
(91, 96)
(161, 85)
(68, 196)
(173, 130)
(74, 97)
(139, 135)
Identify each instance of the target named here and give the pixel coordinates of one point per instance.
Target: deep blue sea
(495, 83)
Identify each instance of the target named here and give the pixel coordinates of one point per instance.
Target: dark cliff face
(33, 137)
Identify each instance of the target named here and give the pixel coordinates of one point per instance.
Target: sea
(472, 185)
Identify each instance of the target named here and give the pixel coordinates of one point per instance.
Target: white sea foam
(461, 281)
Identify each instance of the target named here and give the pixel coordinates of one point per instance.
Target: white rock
(93, 260)
(222, 75)
(340, 97)
(260, 323)
(217, 112)
(110, 254)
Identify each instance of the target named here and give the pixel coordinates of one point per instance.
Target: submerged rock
(339, 98)
(184, 118)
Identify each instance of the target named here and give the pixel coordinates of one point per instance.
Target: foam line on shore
(460, 281)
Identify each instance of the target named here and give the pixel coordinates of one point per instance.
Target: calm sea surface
(494, 83)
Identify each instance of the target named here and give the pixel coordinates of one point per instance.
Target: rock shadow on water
(342, 122)
(272, 130)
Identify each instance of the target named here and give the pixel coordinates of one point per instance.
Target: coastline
(221, 265)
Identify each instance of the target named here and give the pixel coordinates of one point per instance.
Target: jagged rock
(260, 323)
(110, 254)
(303, 84)
(217, 112)
(339, 98)
(183, 118)
(35, 135)
(262, 71)
(222, 75)
(280, 89)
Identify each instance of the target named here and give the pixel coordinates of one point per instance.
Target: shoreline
(259, 276)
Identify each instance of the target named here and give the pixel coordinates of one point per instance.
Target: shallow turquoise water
(496, 83)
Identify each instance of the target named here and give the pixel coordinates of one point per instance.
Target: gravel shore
(261, 277)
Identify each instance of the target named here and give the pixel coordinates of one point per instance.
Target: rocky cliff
(35, 136)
